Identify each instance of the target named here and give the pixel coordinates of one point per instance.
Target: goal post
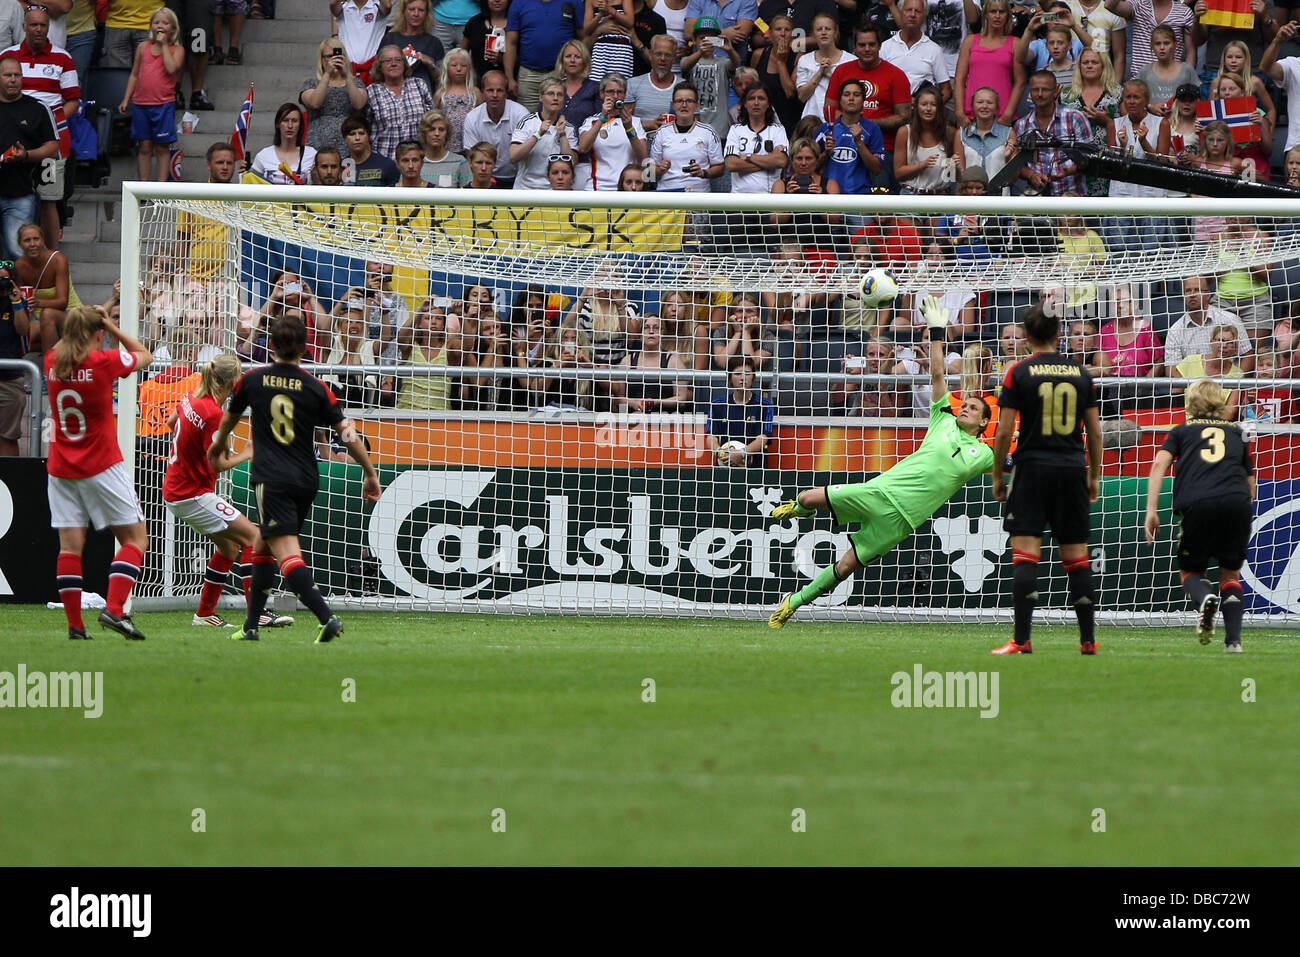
(552, 453)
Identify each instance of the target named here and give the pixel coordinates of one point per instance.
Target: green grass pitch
(544, 719)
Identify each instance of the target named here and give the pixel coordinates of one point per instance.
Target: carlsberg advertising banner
(692, 541)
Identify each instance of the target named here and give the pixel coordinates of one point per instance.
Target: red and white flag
(239, 138)
(1237, 112)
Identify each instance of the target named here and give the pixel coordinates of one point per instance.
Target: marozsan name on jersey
(1052, 369)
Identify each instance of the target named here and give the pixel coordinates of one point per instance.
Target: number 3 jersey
(1051, 394)
(1213, 462)
(287, 405)
(188, 473)
(85, 432)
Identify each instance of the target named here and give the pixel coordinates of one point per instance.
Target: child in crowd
(151, 94)
(457, 94)
(1164, 75)
(1230, 85)
(1236, 60)
(1180, 131)
(442, 166)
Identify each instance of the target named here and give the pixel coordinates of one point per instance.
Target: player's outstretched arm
(936, 320)
(351, 439)
(1154, 482)
(1091, 423)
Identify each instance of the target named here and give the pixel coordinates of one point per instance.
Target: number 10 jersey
(1051, 393)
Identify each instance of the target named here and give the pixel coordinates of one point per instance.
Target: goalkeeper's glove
(936, 317)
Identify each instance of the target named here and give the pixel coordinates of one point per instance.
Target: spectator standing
(236, 10)
(411, 26)
(1180, 130)
(887, 94)
(655, 395)
(1051, 172)
(813, 71)
(647, 24)
(708, 69)
(653, 91)
(1192, 333)
(735, 20)
(800, 13)
(1107, 29)
(485, 36)
(541, 135)
(948, 23)
(1146, 15)
(363, 166)
(1286, 72)
(1134, 133)
(686, 152)
(916, 54)
(1057, 49)
(288, 160)
(441, 167)
(493, 121)
(567, 348)
(1096, 95)
(613, 138)
(609, 30)
(674, 14)
(929, 157)
(1257, 38)
(855, 144)
(1165, 74)
(581, 94)
(361, 28)
(395, 101)
(82, 34)
(204, 247)
(449, 19)
(126, 27)
(984, 137)
(424, 344)
(482, 160)
(15, 327)
(536, 32)
(50, 76)
(151, 90)
(988, 59)
(457, 94)
(331, 98)
(1243, 289)
(777, 64)
(757, 149)
(1128, 344)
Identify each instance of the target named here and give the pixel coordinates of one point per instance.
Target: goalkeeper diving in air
(891, 506)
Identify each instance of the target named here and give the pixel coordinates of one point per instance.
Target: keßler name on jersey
(281, 382)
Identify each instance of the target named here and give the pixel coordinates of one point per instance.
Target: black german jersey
(287, 406)
(1213, 461)
(1051, 394)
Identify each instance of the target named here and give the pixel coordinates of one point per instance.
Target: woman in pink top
(151, 93)
(1128, 345)
(988, 59)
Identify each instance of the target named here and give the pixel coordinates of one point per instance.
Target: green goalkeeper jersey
(947, 459)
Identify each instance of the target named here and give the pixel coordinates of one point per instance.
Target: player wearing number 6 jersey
(89, 484)
(189, 487)
(1213, 490)
(1051, 484)
(287, 406)
(891, 506)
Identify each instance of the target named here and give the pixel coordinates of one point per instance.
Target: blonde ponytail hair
(80, 327)
(220, 374)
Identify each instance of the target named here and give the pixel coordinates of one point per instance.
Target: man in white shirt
(362, 24)
(1286, 72)
(1191, 335)
(494, 121)
(916, 54)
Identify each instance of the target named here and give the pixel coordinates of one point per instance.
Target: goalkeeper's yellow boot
(782, 512)
(782, 614)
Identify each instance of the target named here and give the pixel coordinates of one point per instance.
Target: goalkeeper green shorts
(883, 525)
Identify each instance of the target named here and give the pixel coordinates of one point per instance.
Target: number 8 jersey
(287, 405)
(1051, 393)
(85, 433)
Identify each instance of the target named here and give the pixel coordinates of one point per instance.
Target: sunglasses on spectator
(560, 157)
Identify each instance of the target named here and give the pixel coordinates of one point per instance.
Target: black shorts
(1043, 495)
(1218, 528)
(282, 509)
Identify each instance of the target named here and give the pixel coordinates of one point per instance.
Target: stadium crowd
(813, 97)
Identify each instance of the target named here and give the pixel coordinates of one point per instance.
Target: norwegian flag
(239, 138)
(1236, 112)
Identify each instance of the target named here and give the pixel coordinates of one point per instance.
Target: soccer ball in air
(878, 287)
(724, 452)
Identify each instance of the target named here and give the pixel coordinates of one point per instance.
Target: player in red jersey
(89, 483)
(189, 487)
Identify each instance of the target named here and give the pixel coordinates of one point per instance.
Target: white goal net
(542, 380)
